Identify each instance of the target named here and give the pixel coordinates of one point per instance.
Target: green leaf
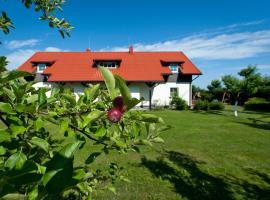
(14, 196)
(62, 33)
(151, 118)
(120, 143)
(42, 98)
(163, 128)
(9, 93)
(41, 143)
(17, 129)
(109, 81)
(33, 98)
(16, 161)
(125, 92)
(6, 108)
(4, 135)
(71, 99)
(85, 188)
(144, 142)
(157, 140)
(29, 173)
(2, 150)
(92, 157)
(133, 102)
(112, 189)
(78, 174)
(14, 75)
(63, 126)
(60, 167)
(100, 132)
(33, 194)
(92, 116)
(91, 93)
(39, 123)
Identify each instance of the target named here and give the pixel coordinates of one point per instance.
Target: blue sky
(220, 36)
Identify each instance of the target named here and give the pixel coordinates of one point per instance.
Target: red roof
(136, 66)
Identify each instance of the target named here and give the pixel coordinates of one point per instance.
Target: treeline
(249, 85)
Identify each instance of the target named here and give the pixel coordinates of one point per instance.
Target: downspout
(190, 91)
(151, 86)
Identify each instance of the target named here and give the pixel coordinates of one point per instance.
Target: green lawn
(205, 156)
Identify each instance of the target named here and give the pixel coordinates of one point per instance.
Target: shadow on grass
(188, 180)
(209, 112)
(254, 190)
(192, 183)
(257, 123)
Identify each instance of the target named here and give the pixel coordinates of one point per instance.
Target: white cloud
(15, 44)
(16, 58)
(53, 49)
(208, 47)
(264, 66)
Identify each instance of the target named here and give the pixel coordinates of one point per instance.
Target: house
(155, 76)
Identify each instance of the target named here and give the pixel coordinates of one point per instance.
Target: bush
(178, 103)
(201, 105)
(257, 104)
(207, 96)
(216, 105)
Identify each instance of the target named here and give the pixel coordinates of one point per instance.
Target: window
(41, 67)
(173, 92)
(108, 64)
(174, 67)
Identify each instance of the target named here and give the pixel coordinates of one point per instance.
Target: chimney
(131, 49)
(87, 50)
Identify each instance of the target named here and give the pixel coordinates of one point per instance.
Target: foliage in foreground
(48, 9)
(35, 166)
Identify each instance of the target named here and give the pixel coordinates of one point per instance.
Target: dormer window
(108, 64)
(41, 67)
(174, 67)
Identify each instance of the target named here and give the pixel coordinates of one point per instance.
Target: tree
(250, 83)
(215, 89)
(232, 87)
(264, 88)
(48, 9)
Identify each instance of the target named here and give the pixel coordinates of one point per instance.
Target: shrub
(257, 104)
(201, 105)
(216, 105)
(207, 96)
(179, 103)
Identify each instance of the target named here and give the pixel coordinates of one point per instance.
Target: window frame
(38, 67)
(174, 65)
(174, 93)
(108, 64)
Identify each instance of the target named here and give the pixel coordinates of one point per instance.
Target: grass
(206, 155)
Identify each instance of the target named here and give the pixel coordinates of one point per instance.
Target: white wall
(161, 93)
